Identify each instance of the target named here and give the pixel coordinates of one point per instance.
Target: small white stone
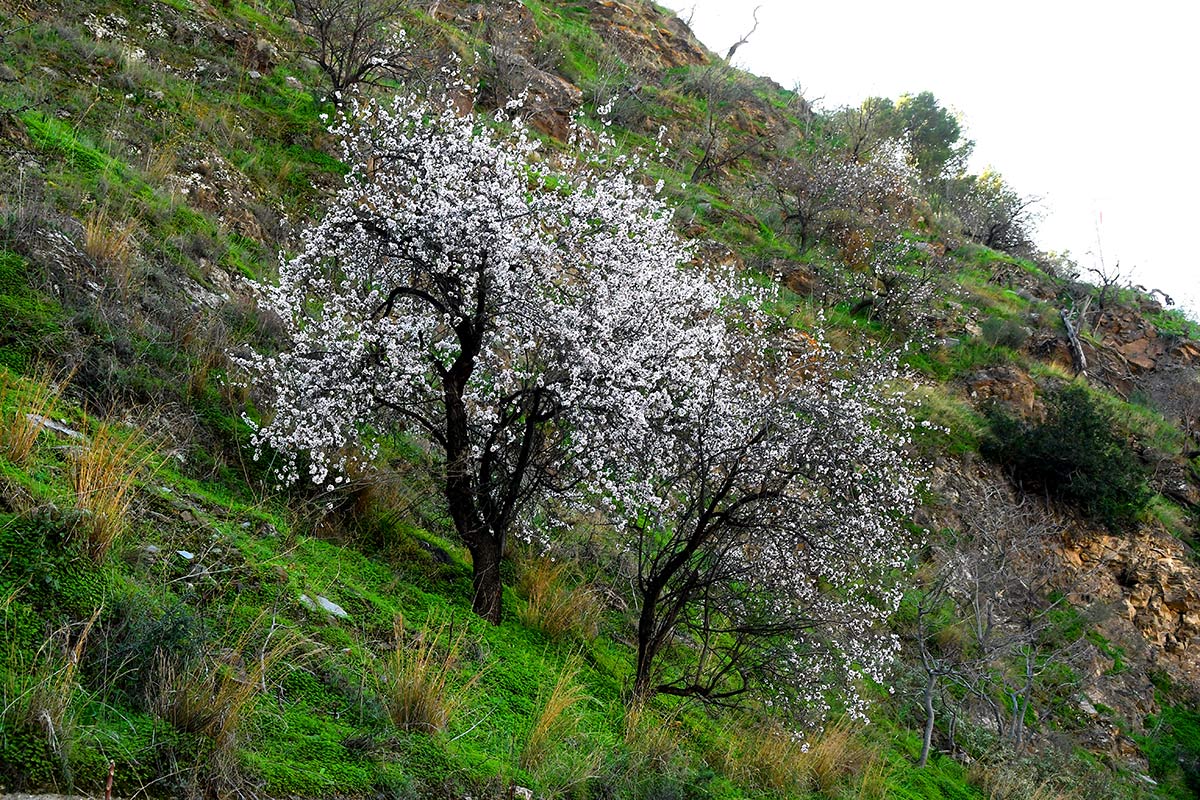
(332, 607)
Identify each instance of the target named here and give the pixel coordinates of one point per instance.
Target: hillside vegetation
(179, 615)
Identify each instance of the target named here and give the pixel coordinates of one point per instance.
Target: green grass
(1173, 322)
(31, 324)
(961, 358)
(1172, 747)
(1115, 652)
(945, 423)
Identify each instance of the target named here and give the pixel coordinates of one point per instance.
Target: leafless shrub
(354, 41)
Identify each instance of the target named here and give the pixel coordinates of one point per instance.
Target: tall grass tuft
(103, 473)
(773, 757)
(23, 411)
(873, 780)
(554, 607)
(650, 740)
(835, 757)
(414, 684)
(557, 716)
(212, 696)
(111, 245)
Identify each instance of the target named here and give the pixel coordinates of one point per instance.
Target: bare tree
(936, 660)
(354, 41)
(720, 87)
(865, 127)
(1004, 594)
(1109, 281)
(820, 189)
(993, 213)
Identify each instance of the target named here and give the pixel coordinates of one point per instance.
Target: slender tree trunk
(485, 544)
(927, 737)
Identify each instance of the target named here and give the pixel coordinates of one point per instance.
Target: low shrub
(38, 709)
(1004, 333)
(1075, 454)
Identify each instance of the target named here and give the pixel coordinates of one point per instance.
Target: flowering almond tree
(822, 188)
(511, 310)
(771, 519)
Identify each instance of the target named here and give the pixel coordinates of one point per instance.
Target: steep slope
(212, 634)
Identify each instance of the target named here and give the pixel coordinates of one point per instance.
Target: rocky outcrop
(517, 67)
(647, 41)
(1151, 587)
(550, 101)
(1128, 346)
(1006, 384)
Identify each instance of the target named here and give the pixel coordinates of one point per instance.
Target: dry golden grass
(556, 718)
(26, 405)
(836, 756)
(554, 607)
(651, 741)
(103, 474)
(873, 780)
(771, 756)
(415, 682)
(208, 345)
(1007, 781)
(212, 695)
(160, 162)
(767, 756)
(111, 245)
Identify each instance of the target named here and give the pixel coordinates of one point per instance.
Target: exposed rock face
(1153, 590)
(648, 42)
(1131, 347)
(1140, 591)
(550, 100)
(1005, 384)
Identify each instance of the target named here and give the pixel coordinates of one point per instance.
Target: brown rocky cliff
(1152, 586)
(647, 41)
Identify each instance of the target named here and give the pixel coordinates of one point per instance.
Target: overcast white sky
(1092, 105)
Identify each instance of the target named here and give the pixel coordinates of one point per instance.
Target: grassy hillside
(168, 609)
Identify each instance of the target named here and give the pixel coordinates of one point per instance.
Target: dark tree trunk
(486, 546)
(647, 641)
(485, 543)
(487, 590)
